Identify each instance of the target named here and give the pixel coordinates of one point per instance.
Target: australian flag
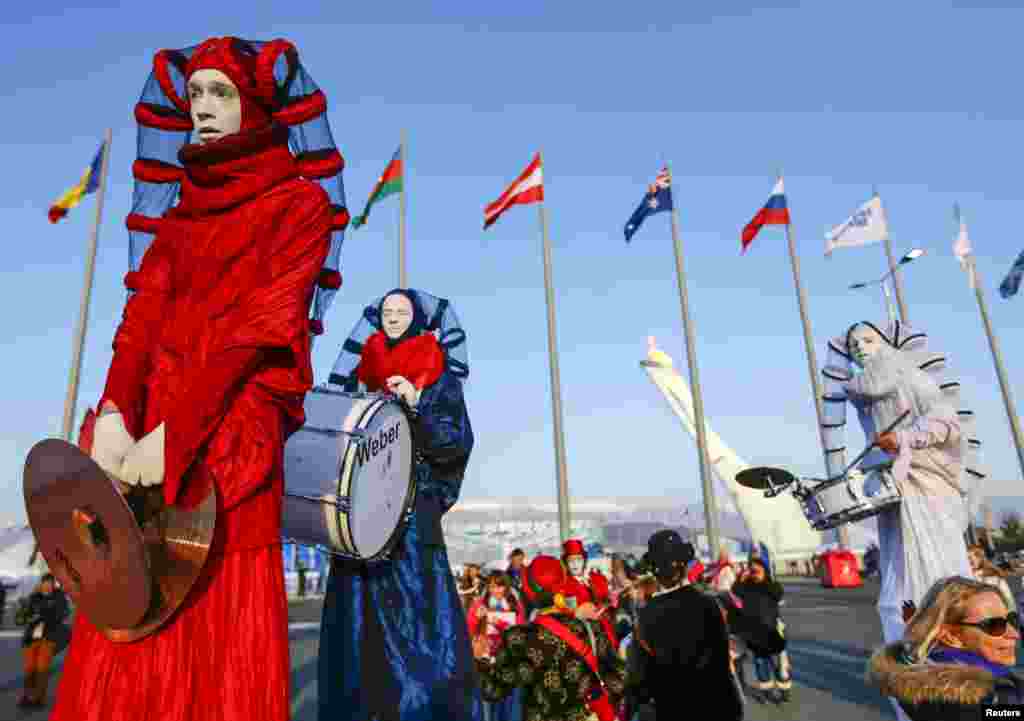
(1011, 284)
(657, 199)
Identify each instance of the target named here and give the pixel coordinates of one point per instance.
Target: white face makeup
(215, 105)
(576, 565)
(864, 344)
(396, 316)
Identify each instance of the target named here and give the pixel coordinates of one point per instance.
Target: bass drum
(349, 483)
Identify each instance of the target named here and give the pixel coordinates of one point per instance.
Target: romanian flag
(774, 212)
(88, 184)
(390, 183)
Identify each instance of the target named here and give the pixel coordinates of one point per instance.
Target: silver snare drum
(348, 475)
(835, 503)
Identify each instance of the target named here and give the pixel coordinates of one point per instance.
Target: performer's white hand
(111, 442)
(144, 464)
(401, 387)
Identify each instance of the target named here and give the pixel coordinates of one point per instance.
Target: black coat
(683, 654)
(757, 622)
(50, 610)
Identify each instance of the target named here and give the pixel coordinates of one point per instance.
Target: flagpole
(707, 482)
(564, 522)
(997, 359)
(888, 302)
(897, 279)
(812, 361)
(402, 278)
(78, 344)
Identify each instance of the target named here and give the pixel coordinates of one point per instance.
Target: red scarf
(418, 359)
(233, 169)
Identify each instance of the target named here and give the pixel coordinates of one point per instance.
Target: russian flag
(774, 212)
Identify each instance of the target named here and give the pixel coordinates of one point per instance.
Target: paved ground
(831, 633)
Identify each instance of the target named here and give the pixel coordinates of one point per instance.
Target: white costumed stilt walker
(883, 374)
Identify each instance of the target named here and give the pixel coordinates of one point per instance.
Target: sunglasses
(995, 626)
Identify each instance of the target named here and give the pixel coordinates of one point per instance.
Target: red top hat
(573, 547)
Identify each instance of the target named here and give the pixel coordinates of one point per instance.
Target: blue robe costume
(394, 644)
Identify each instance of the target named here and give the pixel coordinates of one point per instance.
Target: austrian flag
(528, 188)
(774, 212)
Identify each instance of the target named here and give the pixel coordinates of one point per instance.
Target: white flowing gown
(922, 539)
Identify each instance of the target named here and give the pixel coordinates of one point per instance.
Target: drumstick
(874, 443)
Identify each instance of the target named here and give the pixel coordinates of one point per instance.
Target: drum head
(87, 534)
(379, 470)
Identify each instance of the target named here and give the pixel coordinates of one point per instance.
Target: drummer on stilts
(931, 456)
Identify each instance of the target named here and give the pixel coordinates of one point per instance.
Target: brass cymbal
(166, 547)
(758, 478)
(87, 534)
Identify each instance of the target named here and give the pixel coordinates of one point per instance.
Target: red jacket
(696, 572)
(574, 588)
(215, 341)
(474, 621)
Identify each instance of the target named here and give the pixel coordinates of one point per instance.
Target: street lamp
(912, 255)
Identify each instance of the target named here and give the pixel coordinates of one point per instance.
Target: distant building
(486, 530)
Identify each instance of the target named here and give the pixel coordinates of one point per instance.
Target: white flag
(865, 226)
(962, 248)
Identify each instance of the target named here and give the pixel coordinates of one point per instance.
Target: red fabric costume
(601, 595)
(215, 344)
(420, 360)
(574, 588)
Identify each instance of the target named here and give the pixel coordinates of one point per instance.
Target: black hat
(666, 547)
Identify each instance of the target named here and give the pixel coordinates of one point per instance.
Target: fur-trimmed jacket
(939, 691)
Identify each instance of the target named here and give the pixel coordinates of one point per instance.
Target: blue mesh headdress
(840, 367)
(438, 317)
(285, 88)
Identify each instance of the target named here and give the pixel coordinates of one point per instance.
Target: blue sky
(918, 98)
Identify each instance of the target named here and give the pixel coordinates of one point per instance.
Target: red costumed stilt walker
(211, 365)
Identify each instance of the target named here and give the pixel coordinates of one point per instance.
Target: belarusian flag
(390, 183)
(527, 188)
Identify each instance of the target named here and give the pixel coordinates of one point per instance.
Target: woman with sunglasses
(956, 656)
